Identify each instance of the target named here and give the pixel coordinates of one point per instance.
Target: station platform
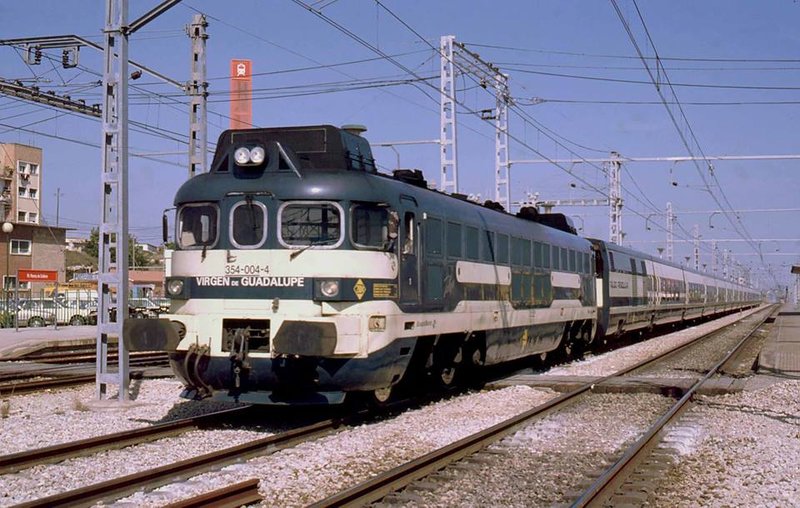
(780, 354)
(14, 344)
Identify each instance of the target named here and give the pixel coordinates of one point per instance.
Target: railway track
(611, 483)
(70, 369)
(153, 478)
(16, 385)
(148, 480)
(402, 476)
(90, 357)
(232, 496)
(16, 462)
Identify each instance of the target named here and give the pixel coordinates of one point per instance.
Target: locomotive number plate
(246, 269)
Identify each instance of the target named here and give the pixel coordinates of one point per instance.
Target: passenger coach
(637, 291)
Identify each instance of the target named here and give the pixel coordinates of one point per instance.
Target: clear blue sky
(734, 66)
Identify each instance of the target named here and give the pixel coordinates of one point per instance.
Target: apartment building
(27, 243)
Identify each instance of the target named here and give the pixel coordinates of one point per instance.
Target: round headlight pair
(247, 156)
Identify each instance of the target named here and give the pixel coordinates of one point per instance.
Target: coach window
(369, 226)
(487, 246)
(247, 229)
(573, 263)
(471, 242)
(546, 256)
(305, 223)
(564, 259)
(453, 240)
(502, 248)
(197, 226)
(555, 257)
(433, 238)
(523, 257)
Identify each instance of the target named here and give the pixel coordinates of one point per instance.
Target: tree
(136, 256)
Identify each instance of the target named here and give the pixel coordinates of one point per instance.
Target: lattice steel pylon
(113, 229)
(502, 192)
(696, 247)
(670, 231)
(447, 133)
(197, 89)
(614, 168)
(456, 59)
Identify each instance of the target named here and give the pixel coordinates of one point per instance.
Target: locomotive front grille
(257, 332)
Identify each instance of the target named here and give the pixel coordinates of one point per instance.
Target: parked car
(143, 308)
(64, 312)
(32, 315)
(163, 303)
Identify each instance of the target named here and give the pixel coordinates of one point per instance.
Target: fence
(44, 308)
(68, 307)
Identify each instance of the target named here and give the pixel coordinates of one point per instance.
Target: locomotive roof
(310, 147)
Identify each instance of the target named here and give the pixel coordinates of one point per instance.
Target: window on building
(33, 217)
(27, 168)
(21, 217)
(21, 247)
(32, 193)
(23, 192)
(9, 282)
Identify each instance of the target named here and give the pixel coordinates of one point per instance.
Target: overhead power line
(689, 139)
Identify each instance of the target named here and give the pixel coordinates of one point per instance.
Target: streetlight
(711, 226)
(647, 220)
(583, 224)
(7, 229)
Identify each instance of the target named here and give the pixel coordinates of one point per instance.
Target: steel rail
(156, 477)
(232, 496)
(15, 462)
(24, 387)
(81, 356)
(33, 386)
(603, 487)
(399, 477)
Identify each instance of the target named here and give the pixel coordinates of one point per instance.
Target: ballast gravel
(744, 449)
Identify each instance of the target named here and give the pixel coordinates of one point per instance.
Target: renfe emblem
(359, 289)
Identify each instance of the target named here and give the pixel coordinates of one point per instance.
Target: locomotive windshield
(311, 223)
(197, 226)
(247, 224)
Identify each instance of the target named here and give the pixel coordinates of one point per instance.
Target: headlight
(329, 288)
(175, 287)
(242, 156)
(257, 155)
